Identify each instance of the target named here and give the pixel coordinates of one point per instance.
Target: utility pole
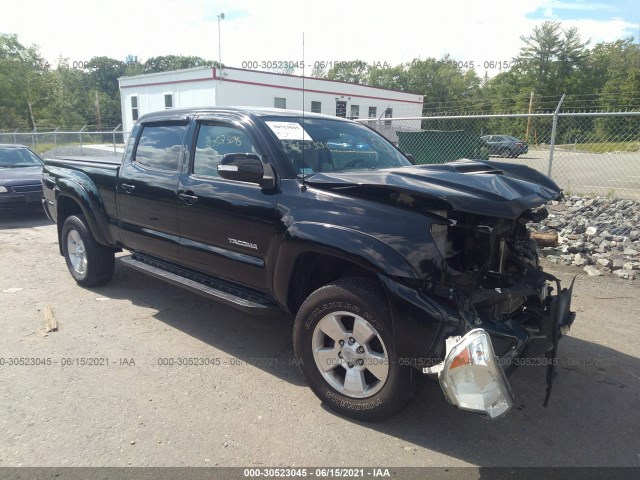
(97, 104)
(526, 136)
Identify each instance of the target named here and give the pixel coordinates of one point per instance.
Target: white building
(204, 86)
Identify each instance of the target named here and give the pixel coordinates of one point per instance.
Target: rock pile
(600, 234)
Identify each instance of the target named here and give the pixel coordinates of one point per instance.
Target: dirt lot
(249, 406)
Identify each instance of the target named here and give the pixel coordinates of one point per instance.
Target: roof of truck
(182, 113)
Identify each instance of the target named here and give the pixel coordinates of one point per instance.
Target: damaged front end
(481, 304)
(509, 309)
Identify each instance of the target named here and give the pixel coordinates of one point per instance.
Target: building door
(341, 108)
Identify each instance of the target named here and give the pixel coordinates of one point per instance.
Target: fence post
(113, 133)
(80, 135)
(553, 135)
(55, 136)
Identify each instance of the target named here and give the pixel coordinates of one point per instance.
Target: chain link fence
(585, 153)
(81, 142)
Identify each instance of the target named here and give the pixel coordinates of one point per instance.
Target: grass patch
(40, 148)
(603, 147)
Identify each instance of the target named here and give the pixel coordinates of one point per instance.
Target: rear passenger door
(147, 191)
(227, 227)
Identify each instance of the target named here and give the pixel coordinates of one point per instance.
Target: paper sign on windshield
(288, 131)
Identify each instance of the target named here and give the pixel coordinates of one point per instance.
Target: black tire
(351, 301)
(90, 263)
(505, 153)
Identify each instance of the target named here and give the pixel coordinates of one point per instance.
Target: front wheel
(90, 263)
(344, 344)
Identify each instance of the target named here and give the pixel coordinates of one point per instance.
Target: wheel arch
(73, 199)
(313, 254)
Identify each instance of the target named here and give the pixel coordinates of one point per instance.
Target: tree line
(552, 60)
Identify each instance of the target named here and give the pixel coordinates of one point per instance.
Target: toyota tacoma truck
(391, 270)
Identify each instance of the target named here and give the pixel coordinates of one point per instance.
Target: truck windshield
(315, 145)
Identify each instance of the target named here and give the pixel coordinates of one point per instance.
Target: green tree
(619, 65)
(445, 86)
(67, 105)
(166, 63)
(133, 66)
(353, 72)
(550, 58)
(25, 82)
(395, 78)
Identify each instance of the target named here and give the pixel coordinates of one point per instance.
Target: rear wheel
(344, 344)
(505, 152)
(90, 263)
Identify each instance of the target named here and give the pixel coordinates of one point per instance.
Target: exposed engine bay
(491, 263)
(490, 269)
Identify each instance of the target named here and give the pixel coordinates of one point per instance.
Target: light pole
(219, 69)
(220, 17)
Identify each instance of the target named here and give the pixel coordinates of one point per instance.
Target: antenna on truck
(304, 160)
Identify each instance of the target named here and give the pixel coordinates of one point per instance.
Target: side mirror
(410, 157)
(244, 167)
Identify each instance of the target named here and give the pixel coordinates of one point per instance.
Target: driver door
(227, 227)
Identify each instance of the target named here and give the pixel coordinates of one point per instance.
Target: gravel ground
(600, 234)
(250, 406)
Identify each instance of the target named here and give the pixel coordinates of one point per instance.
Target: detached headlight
(3, 189)
(472, 378)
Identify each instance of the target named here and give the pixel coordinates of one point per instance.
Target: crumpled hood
(481, 187)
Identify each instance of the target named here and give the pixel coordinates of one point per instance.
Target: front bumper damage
(472, 376)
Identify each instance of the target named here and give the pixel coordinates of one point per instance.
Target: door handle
(188, 199)
(127, 187)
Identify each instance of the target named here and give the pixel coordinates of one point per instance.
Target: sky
(382, 33)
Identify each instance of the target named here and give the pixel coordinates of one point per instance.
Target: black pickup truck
(392, 270)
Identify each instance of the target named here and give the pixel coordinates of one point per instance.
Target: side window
(216, 140)
(168, 100)
(388, 113)
(134, 108)
(160, 146)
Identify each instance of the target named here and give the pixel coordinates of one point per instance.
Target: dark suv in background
(505, 146)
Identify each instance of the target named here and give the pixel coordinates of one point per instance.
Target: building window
(373, 112)
(316, 107)
(280, 102)
(355, 112)
(168, 100)
(134, 108)
(388, 113)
